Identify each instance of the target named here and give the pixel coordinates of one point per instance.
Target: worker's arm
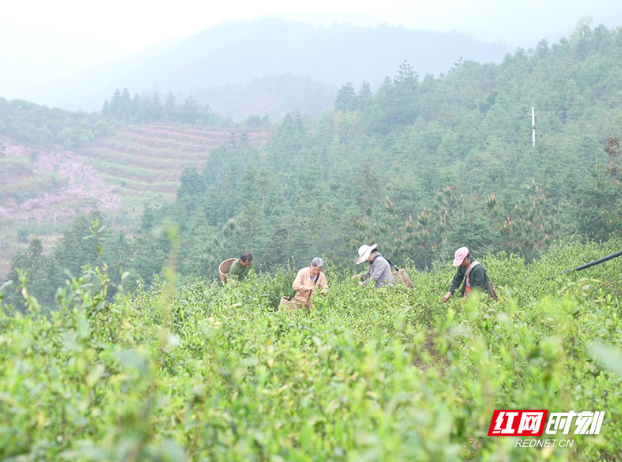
(458, 278)
(361, 275)
(299, 283)
(455, 284)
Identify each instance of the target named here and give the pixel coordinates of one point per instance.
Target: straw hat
(364, 252)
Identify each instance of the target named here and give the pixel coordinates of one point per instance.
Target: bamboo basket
(290, 303)
(224, 268)
(401, 276)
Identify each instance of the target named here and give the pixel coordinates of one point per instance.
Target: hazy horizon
(47, 43)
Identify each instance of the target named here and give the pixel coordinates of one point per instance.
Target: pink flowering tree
(83, 190)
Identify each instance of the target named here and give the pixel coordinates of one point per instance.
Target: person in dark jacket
(470, 270)
(379, 268)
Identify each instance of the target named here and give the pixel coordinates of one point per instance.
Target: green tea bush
(203, 371)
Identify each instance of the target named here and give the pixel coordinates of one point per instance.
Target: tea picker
(307, 281)
(472, 273)
(236, 268)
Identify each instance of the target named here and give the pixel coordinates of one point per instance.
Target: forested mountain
(421, 166)
(239, 52)
(54, 163)
(269, 97)
(35, 125)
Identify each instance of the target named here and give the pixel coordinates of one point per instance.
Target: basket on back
(401, 276)
(224, 268)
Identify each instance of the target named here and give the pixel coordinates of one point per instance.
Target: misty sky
(135, 24)
(63, 36)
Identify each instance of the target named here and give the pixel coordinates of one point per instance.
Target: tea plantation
(200, 372)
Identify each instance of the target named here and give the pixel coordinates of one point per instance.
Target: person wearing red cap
(472, 271)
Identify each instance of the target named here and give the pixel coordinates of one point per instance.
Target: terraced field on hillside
(139, 164)
(144, 162)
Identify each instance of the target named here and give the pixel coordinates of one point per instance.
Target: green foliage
(345, 97)
(148, 108)
(203, 372)
(30, 123)
(82, 245)
(598, 213)
(421, 167)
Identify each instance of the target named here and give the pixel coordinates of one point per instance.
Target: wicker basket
(290, 303)
(401, 276)
(224, 268)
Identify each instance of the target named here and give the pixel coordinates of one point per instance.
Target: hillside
(419, 166)
(42, 189)
(239, 52)
(143, 163)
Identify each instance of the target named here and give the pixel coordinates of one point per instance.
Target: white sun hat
(364, 252)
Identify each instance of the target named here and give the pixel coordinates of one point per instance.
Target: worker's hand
(360, 283)
(447, 296)
(356, 276)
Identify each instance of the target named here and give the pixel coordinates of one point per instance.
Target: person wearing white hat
(379, 268)
(473, 272)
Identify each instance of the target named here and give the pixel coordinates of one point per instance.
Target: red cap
(461, 254)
